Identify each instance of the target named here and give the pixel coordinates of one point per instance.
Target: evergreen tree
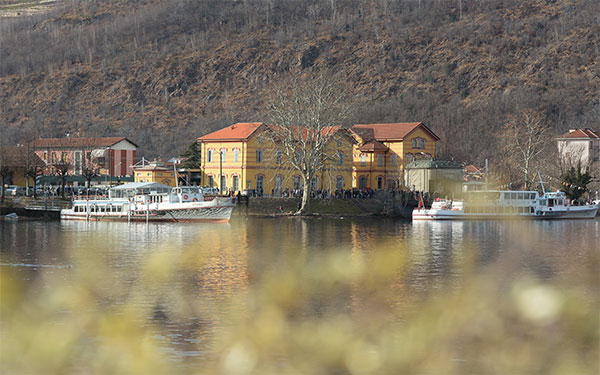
(193, 155)
(574, 182)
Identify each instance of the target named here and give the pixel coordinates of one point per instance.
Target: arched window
(414, 143)
(422, 143)
(339, 182)
(409, 157)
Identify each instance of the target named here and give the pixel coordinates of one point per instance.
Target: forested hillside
(165, 72)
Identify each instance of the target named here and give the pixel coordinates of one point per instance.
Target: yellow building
(155, 172)
(14, 160)
(238, 158)
(383, 150)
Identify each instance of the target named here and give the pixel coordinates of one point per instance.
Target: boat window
(531, 209)
(513, 195)
(550, 202)
(506, 195)
(519, 195)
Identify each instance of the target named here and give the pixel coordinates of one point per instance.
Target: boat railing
(90, 197)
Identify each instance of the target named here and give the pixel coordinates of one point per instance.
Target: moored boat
(496, 204)
(152, 202)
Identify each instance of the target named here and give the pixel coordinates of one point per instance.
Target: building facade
(241, 157)
(582, 146)
(155, 172)
(111, 156)
(434, 176)
(383, 150)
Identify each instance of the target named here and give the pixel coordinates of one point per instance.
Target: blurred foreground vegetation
(345, 312)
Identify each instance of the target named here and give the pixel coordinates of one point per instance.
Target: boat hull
(200, 212)
(574, 212)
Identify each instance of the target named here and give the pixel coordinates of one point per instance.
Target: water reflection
(215, 262)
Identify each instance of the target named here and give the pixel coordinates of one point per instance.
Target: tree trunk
(305, 206)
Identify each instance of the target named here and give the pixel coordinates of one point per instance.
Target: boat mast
(542, 183)
(175, 172)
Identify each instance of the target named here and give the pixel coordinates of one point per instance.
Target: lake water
(216, 265)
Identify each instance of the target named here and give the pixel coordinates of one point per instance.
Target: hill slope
(164, 73)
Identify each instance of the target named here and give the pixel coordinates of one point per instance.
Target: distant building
(383, 150)
(434, 176)
(13, 162)
(113, 156)
(582, 146)
(155, 171)
(237, 158)
(370, 156)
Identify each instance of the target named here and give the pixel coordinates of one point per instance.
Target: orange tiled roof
(581, 133)
(392, 131)
(239, 131)
(373, 146)
(77, 142)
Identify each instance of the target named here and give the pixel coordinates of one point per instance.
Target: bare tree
(33, 167)
(525, 138)
(306, 113)
(88, 169)
(61, 168)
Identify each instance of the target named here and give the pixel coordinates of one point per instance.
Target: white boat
(149, 201)
(495, 204)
